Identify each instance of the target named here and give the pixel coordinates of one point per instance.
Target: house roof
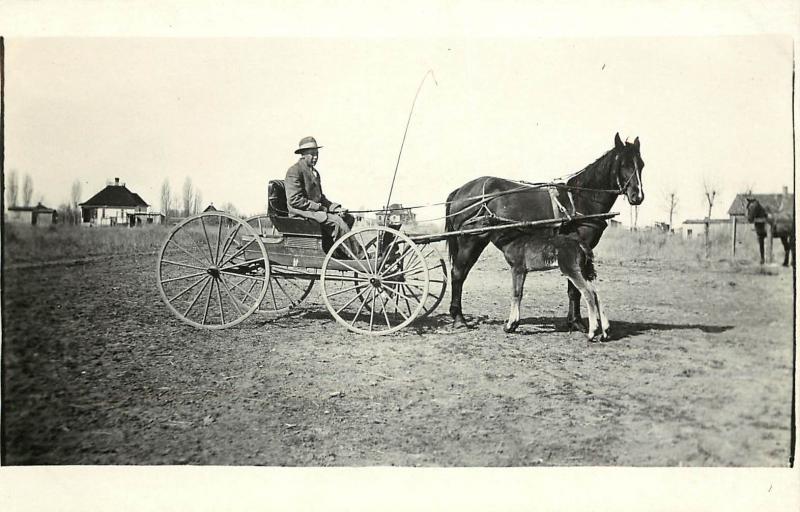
(39, 208)
(115, 195)
(210, 208)
(771, 201)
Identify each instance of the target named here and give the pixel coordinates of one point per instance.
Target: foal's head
(627, 167)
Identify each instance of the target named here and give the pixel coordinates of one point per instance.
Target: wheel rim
(380, 293)
(212, 271)
(438, 278)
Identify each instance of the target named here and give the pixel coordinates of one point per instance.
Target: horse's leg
(574, 316)
(518, 273)
(761, 248)
(604, 323)
(786, 250)
(469, 249)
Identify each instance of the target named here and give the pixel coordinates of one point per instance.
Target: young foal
(538, 251)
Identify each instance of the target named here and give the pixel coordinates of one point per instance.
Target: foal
(540, 251)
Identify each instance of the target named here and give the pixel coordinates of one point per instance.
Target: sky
(228, 113)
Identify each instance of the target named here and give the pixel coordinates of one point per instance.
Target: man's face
(310, 156)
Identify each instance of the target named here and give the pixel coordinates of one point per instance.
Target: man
(304, 193)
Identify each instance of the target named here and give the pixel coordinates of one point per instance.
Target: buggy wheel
(212, 271)
(285, 291)
(439, 278)
(374, 287)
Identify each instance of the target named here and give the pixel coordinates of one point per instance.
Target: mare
(780, 221)
(490, 200)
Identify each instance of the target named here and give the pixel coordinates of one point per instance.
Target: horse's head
(628, 165)
(754, 209)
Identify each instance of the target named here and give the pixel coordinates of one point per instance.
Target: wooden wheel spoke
(383, 310)
(208, 300)
(187, 276)
(246, 276)
(361, 308)
(400, 259)
(397, 304)
(406, 272)
(221, 306)
(364, 249)
(234, 300)
(386, 254)
(230, 240)
(239, 251)
(247, 293)
(191, 255)
(403, 295)
(285, 293)
(183, 292)
(345, 290)
(208, 242)
(194, 301)
(219, 239)
(356, 296)
(186, 265)
(354, 258)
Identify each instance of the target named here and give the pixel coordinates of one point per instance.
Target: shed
(115, 205)
(38, 215)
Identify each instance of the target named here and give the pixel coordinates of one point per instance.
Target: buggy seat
(278, 211)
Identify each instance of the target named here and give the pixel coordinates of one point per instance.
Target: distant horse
(781, 222)
(489, 200)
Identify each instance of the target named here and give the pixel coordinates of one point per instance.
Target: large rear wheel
(212, 271)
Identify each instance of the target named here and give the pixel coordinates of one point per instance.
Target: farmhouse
(115, 205)
(38, 215)
(397, 214)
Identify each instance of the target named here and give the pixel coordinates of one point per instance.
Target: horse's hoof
(459, 325)
(575, 325)
(593, 339)
(605, 337)
(508, 329)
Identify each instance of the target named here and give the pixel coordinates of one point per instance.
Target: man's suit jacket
(304, 195)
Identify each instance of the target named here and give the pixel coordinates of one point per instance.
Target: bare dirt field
(698, 373)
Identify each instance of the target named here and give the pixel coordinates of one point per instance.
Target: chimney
(116, 182)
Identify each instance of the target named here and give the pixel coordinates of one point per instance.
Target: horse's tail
(452, 241)
(587, 268)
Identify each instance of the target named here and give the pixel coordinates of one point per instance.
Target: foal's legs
(598, 323)
(469, 249)
(518, 274)
(574, 315)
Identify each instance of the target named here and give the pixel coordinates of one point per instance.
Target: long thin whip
(408, 123)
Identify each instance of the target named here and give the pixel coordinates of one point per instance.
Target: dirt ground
(698, 373)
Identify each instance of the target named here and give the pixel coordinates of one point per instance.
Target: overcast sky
(228, 113)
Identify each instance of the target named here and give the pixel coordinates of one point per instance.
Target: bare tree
(710, 190)
(188, 195)
(166, 198)
(197, 202)
(230, 208)
(74, 199)
(27, 189)
(13, 187)
(671, 205)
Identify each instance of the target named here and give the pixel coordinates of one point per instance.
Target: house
(397, 214)
(693, 228)
(38, 215)
(115, 205)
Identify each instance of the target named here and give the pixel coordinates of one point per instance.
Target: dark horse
(488, 200)
(781, 222)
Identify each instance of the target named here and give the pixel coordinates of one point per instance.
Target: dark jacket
(304, 195)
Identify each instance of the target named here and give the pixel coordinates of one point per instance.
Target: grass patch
(29, 244)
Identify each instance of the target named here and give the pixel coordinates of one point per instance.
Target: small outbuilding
(38, 215)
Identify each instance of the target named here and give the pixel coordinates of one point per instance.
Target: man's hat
(307, 143)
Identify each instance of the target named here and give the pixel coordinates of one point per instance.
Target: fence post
(733, 237)
(708, 243)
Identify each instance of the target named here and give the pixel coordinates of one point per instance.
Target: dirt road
(699, 373)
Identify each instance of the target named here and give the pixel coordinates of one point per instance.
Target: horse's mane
(593, 168)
